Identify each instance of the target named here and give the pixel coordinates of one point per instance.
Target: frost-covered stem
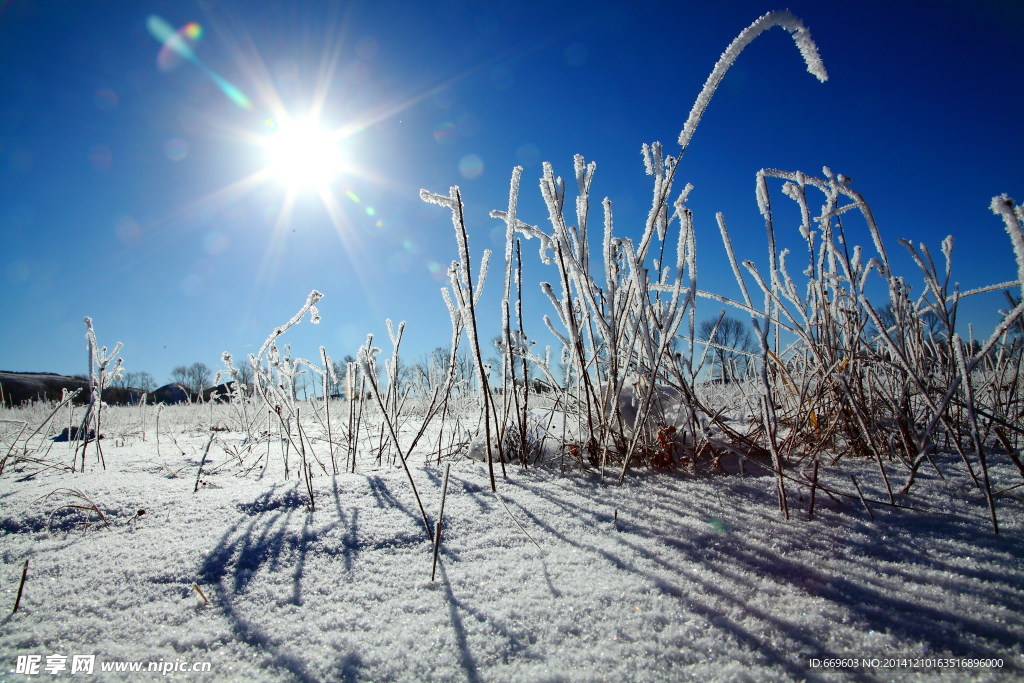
(467, 304)
(768, 405)
(83, 430)
(522, 338)
(485, 388)
(508, 370)
(611, 252)
(938, 409)
(868, 436)
(276, 394)
(511, 356)
(832, 187)
(455, 318)
(307, 476)
(99, 446)
(328, 374)
(310, 306)
(99, 359)
(663, 169)
(355, 417)
(1013, 217)
(510, 221)
(979, 446)
(202, 463)
(773, 267)
(391, 398)
(238, 401)
(440, 518)
(576, 342)
(782, 18)
(367, 361)
(727, 241)
(303, 440)
(285, 425)
(10, 449)
(644, 413)
(66, 398)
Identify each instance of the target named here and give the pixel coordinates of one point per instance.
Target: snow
(667, 577)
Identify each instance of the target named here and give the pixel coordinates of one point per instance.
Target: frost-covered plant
(101, 376)
(329, 378)
(466, 297)
(367, 359)
(274, 382)
(239, 389)
(883, 382)
(355, 388)
(619, 330)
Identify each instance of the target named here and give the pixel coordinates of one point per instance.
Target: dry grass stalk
(21, 588)
(202, 462)
(86, 504)
(440, 518)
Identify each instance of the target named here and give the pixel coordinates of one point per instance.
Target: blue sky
(133, 193)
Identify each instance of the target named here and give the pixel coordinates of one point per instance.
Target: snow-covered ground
(667, 577)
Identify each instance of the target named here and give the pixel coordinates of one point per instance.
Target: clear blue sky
(131, 192)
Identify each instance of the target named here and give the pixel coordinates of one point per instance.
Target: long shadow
(347, 669)
(941, 630)
(302, 544)
(476, 492)
(774, 655)
(260, 538)
(514, 643)
(383, 496)
(992, 580)
(904, 542)
(252, 547)
(350, 541)
(555, 593)
(466, 659)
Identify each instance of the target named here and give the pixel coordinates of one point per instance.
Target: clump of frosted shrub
(834, 373)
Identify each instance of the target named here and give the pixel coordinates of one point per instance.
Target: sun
(302, 154)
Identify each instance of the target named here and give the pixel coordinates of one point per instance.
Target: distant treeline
(21, 387)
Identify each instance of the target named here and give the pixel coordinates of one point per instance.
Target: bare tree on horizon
(732, 341)
(194, 378)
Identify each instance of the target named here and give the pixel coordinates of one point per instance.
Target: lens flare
(101, 157)
(471, 166)
(179, 43)
(176, 149)
(128, 230)
(105, 99)
(214, 242)
(444, 133)
(179, 46)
